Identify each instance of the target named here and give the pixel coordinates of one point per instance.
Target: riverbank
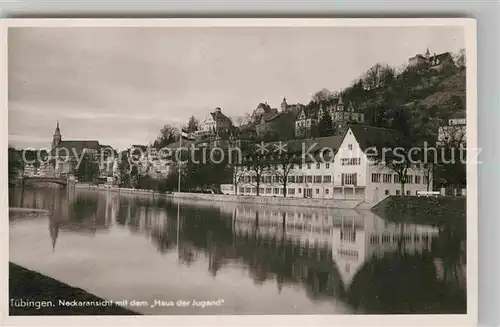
(27, 288)
(442, 209)
(259, 200)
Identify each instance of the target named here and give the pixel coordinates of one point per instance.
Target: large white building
(350, 175)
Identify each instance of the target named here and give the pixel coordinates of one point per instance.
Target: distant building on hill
(216, 123)
(436, 61)
(340, 114)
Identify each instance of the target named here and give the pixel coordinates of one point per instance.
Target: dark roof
(265, 106)
(217, 115)
(441, 56)
(268, 116)
(76, 146)
(370, 136)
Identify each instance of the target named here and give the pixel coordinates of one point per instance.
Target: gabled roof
(217, 115)
(440, 57)
(370, 136)
(269, 116)
(265, 106)
(76, 146)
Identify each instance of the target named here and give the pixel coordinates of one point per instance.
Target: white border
(470, 318)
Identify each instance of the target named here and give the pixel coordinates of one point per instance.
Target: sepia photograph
(246, 169)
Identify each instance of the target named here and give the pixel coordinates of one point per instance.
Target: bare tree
(459, 58)
(322, 96)
(378, 76)
(282, 167)
(255, 164)
(193, 124)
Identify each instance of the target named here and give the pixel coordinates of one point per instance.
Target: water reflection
(373, 265)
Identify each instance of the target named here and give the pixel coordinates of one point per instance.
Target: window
(387, 178)
(300, 179)
(398, 192)
(408, 192)
(317, 191)
(318, 165)
(418, 179)
(349, 146)
(291, 191)
(327, 191)
(291, 179)
(261, 190)
(242, 190)
(276, 190)
(309, 179)
(317, 179)
(386, 192)
(396, 179)
(376, 178)
(281, 191)
(327, 179)
(348, 179)
(327, 165)
(300, 190)
(409, 179)
(308, 166)
(248, 190)
(268, 190)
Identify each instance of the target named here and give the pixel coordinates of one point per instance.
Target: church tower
(284, 105)
(56, 139)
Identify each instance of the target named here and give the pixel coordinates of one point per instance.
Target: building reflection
(329, 253)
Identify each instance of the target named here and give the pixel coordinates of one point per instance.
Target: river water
(161, 257)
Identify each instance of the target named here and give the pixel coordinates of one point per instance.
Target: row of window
(277, 190)
(350, 161)
(389, 178)
(317, 179)
(398, 192)
(385, 239)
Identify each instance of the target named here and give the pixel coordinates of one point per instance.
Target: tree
(134, 176)
(322, 95)
(283, 166)
(193, 125)
(378, 76)
(325, 126)
(237, 177)
(255, 163)
(459, 58)
(14, 164)
(123, 169)
(88, 169)
(168, 135)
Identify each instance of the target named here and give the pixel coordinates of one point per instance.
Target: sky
(120, 85)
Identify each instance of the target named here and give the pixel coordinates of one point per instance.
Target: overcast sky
(121, 85)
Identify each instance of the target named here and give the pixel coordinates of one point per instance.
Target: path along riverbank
(259, 200)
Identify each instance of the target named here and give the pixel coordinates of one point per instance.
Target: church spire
(56, 139)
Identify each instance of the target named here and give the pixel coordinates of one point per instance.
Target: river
(229, 258)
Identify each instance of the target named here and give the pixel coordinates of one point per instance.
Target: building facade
(216, 123)
(67, 152)
(351, 175)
